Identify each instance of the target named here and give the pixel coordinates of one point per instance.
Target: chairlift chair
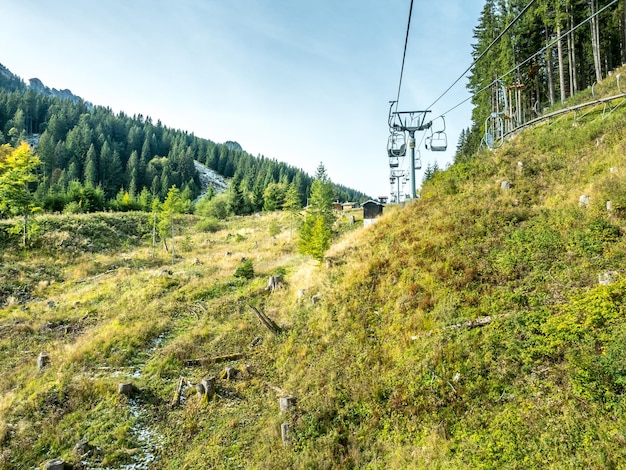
(396, 145)
(438, 140)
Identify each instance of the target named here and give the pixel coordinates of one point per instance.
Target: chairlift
(396, 145)
(438, 140)
(494, 131)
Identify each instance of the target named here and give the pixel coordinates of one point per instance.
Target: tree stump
(56, 464)
(42, 360)
(125, 388)
(287, 404)
(285, 433)
(208, 384)
(273, 283)
(83, 449)
(229, 373)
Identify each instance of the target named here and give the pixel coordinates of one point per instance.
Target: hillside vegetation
(466, 330)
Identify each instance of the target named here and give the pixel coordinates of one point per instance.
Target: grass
(384, 376)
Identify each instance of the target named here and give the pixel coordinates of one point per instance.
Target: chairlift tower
(411, 122)
(394, 178)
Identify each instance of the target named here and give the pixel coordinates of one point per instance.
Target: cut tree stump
(56, 464)
(209, 386)
(273, 283)
(42, 360)
(125, 388)
(230, 373)
(285, 433)
(287, 404)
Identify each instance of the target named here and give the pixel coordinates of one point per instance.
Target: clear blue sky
(298, 81)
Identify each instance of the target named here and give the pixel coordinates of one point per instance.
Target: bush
(208, 224)
(245, 270)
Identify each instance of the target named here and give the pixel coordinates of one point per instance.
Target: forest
(93, 159)
(532, 56)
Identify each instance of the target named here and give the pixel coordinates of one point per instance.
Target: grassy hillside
(467, 330)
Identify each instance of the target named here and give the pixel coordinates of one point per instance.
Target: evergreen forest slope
(466, 330)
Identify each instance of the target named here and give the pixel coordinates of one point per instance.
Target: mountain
(36, 85)
(481, 326)
(81, 145)
(10, 81)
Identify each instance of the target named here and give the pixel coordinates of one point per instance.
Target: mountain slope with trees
(85, 146)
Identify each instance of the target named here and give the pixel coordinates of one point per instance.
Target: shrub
(208, 224)
(245, 270)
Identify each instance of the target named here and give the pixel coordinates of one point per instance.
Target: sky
(302, 82)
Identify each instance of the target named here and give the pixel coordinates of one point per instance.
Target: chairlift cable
(406, 42)
(504, 31)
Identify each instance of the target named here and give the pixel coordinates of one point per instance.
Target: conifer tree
(316, 230)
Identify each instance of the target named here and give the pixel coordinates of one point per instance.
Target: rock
(505, 185)
(583, 201)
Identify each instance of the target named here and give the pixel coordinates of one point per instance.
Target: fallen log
(213, 360)
(266, 321)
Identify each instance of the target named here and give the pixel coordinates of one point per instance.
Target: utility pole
(411, 122)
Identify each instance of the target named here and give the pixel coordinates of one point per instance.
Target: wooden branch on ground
(266, 321)
(92, 278)
(179, 392)
(477, 322)
(213, 360)
(279, 391)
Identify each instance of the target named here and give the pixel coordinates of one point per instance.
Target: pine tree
(316, 230)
